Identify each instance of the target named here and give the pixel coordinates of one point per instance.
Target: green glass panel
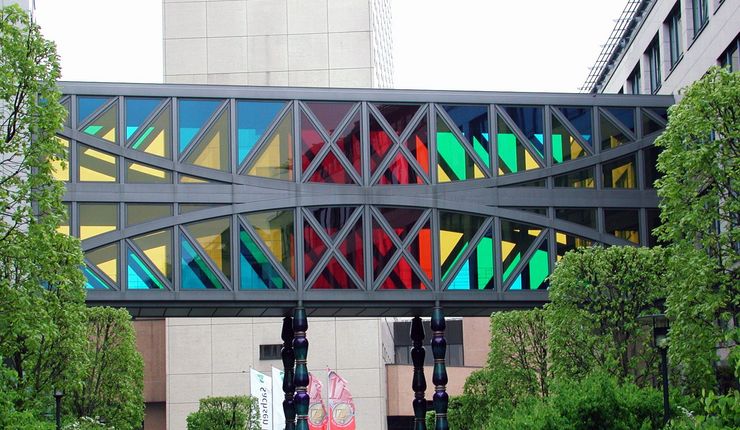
(140, 277)
(139, 213)
(275, 159)
(105, 259)
(257, 271)
(516, 238)
(513, 156)
(456, 230)
(454, 162)
(156, 138)
(157, 249)
(534, 273)
(275, 229)
(195, 273)
(97, 218)
(96, 166)
(139, 173)
(214, 236)
(477, 272)
(93, 281)
(565, 145)
(212, 149)
(104, 125)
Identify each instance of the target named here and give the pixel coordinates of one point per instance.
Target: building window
(673, 24)
(633, 82)
(270, 352)
(653, 56)
(453, 335)
(700, 9)
(731, 57)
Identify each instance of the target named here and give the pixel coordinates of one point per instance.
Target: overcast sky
(525, 45)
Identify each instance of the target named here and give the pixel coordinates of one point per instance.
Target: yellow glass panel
(184, 179)
(155, 139)
(529, 161)
(561, 238)
(137, 173)
(96, 166)
(275, 228)
(623, 176)
(97, 218)
(630, 235)
(275, 159)
(576, 149)
(477, 173)
(106, 260)
(157, 247)
(506, 248)
(448, 241)
(212, 150)
(441, 175)
(60, 167)
(213, 237)
(534, 232)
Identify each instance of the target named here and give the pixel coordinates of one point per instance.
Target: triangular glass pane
(456, 230)
(660, 113)
(649, 125)
(140, 277)
(398, 116)
(380, 143)
(93, 281)
(400, 172)
(137, 110)
(513, 156)
(104, 126)
(477, 271)
(275, 228)
(565, 145)
(334, 277)
(580, 119)
(313, 248)
(139, 173)
(212, 150)
(193, 115)
(566, 242)
(329, 114)
(625, 115)
(311, 142)
(533, 275)
(349, 142)
(257, 272)
(252, 119)
(530, 120)
(472, 122)
(139, 213)
(421, 249)
(68, 107)
(275, 159)
(195, 273)
(583, 178)
(86, 106)
(611, 135)
(401, 220)
(105, 259)
(351, 249)
(330, 170)
(516, 239)
(157, 248)
(453, 161)
(156, 137)
(418, 144)
(214, 236)
(403, 277)
(332, 218)
(383, 248)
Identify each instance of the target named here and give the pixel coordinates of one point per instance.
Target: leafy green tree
(597, 295)
(113, 383)
(226, 413)
(700, 208)
(42, 310)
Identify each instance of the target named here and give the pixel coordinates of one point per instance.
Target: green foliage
(41, 296)
(597, 295)
(113, 381)
(87, 423)
(226, 413)
(720, 412)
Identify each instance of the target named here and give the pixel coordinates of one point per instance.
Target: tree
(41, 295)
(113, 383)
(226, 413)
(700, 208)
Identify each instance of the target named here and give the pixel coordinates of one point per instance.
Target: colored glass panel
(157, 247)
(331, 170)
(401, 220)
(86, 106)
(383, 248)
(96, 166)
(530, 121)
(620, 173)
(105, 259)
(104, 125)
(313, 248)
(380, 143)
(454, 163)
(137, 110)
(516, 239)
(212, 149)
(398, 116)
(477, 271)
(138, 173)
(334, 277)
(252, 120)
(565, 145)
(194, 272)
(472, 122)
(63, 227)
(623, 223)
(456, 230)
(67, 103)
(214, 236)
(186, 179)
(275, 159)
(534, 273)
(513, 156)
(580, 119)
(97, 218)
(329, 114)
(583, 178)
(60, 164)
(566, 242)
(139, 213)
(400, 172)
(649, 124)
(156, 138)
(582, 216)
(611, 135)
(93, 281)
(625, 115)
(257, 272)
(417, 144)
(349, 142)
(421, 249)
(351, 249)
(332, 218)
(193, 115)
(140, 276)
(193, 207)
(311, 141)
(275, 228)
(403, 277)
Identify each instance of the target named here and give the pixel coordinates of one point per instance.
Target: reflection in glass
(620, 173)
(349, 142)
(329, 114)
(331, 170)
(252, 120)
(275, 228)
(398, 116)
(579, 179)
(212, 149)
(611, 135)
(334, 277)
(477, 271)
(566, 242)
(380, 143)
(516, 238)
(582, 216)
(86, 106)
(535, 271)
(193, 115)
(275, 159)
(311, 141)
(580, 118)
(214, 236)
(651, 165)
(623, 223)
(403, 277)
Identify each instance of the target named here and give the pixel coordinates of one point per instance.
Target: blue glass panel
(472, 121)
(193, 115)
(625, 115)
(87, 105)
(581, 119)
(195, 272)
(252, 118)
(93, 281)
(257, 272)
(139, 275)
(137, 110)
(530, 121)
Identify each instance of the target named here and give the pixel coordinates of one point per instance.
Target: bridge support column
(439, 375)
(419, 383)
(288, 356)
(300, 379)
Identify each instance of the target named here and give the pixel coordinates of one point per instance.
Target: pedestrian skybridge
(198, 200)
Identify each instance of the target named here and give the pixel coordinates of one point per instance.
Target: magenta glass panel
(311, 141)
(332, 218)
(401, 220)
(334, 277)
(400, 172)
(331, 171)
(418, 144)
(313, 248)
(383, 248)
(402, 277)
(380, 143)
(349, 142)
(351, 249)
(398, 116)
(329, 114)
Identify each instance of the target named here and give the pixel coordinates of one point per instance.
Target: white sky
(523, 45)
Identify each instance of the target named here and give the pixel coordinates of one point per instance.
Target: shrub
(226, 413)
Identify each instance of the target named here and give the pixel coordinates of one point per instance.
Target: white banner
(278, 416)
(261, 387)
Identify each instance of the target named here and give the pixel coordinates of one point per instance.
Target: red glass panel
(421, 249)
(401, 220)
(400, 172)
(380, 143)
(329, 114)
(331, 170)
(402, 277)
(313, 246)
(351, 249)
(417, 143)
(398, 116)
(383, 248)
(334, 277)
(349, 142)
(332, 218)
(311, 141)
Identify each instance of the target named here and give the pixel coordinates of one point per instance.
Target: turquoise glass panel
(196, 275)
(87, 105)
(137, 110)
(257, 272)
(252, 119)
(193, 115)
(93, 281)
(140, 277)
